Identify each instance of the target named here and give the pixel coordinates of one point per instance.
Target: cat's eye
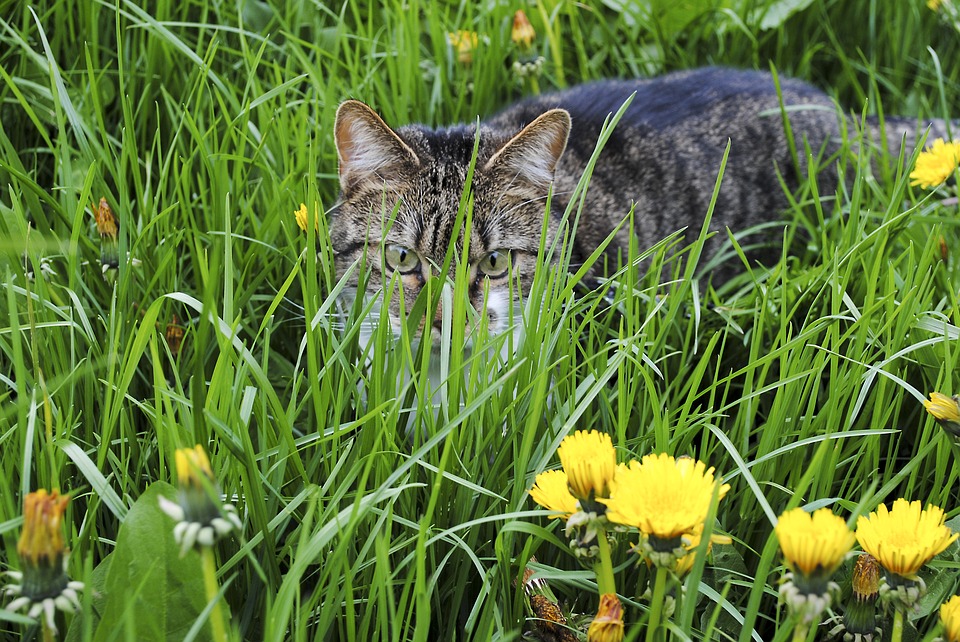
(495, 265)
(401, 259)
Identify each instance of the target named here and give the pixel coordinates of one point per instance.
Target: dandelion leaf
(150, 592)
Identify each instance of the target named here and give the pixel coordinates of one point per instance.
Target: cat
(400, 189)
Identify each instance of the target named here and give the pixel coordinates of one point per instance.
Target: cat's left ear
(534, 152)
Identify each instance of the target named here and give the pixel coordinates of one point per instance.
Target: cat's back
(708, 98)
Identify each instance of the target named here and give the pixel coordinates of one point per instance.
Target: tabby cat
(400, 189)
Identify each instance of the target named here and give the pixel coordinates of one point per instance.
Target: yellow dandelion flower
(690, 542)
(662, 496)
(813, 544)
(933, 5)
(522, 33)
(950, 618)
(302, 216)
(904, 538)
(590, 462)
(464, 43)
(553, 493)
(191, 464)
(607, 626)
(946, 410)
(935, 164)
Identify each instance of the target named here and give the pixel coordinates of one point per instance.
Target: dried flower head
(522, 33)
(607, 626)
(43, 585)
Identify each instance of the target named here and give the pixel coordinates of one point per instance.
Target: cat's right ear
(367, 149)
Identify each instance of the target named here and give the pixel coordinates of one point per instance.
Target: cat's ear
(367, 149)
(534, 152)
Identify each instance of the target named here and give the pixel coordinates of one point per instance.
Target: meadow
(373, 507)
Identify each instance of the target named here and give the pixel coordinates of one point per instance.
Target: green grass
(368, 514)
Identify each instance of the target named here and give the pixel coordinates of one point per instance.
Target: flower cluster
(897, 542)
(666, 499)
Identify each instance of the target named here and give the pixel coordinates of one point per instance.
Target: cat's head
(400, 195)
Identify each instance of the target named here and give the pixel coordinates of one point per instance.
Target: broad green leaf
(151, 593)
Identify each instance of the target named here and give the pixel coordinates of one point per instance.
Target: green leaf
(151, 593)
(778, 12)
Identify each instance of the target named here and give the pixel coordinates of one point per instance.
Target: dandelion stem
(48, 635)
(897, 633)
(604, 568)
(217, 625)
(800, 632)
(656, 604)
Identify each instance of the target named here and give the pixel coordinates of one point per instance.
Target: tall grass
(368, 512)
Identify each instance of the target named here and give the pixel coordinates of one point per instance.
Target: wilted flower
(107, 228)
(174, 335)
(44, 586)
(935, 164)
(946, 410)
(201, 517)
(522, 33)
(607, 626)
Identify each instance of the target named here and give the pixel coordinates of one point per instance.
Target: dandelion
(935, 164)
(464, 43)
(664, 498)
(551, 491)
(201, 518)
(607, 626)
(933, 5)
(44, 587)
(813, 546)
(859, 622)
(946, 410)
(301, 215)
(522, 33)
(950, 618)
(590, 462)
(548, 617)
(174, 335)
(691, 541)
(904, 538)
(107, 229)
